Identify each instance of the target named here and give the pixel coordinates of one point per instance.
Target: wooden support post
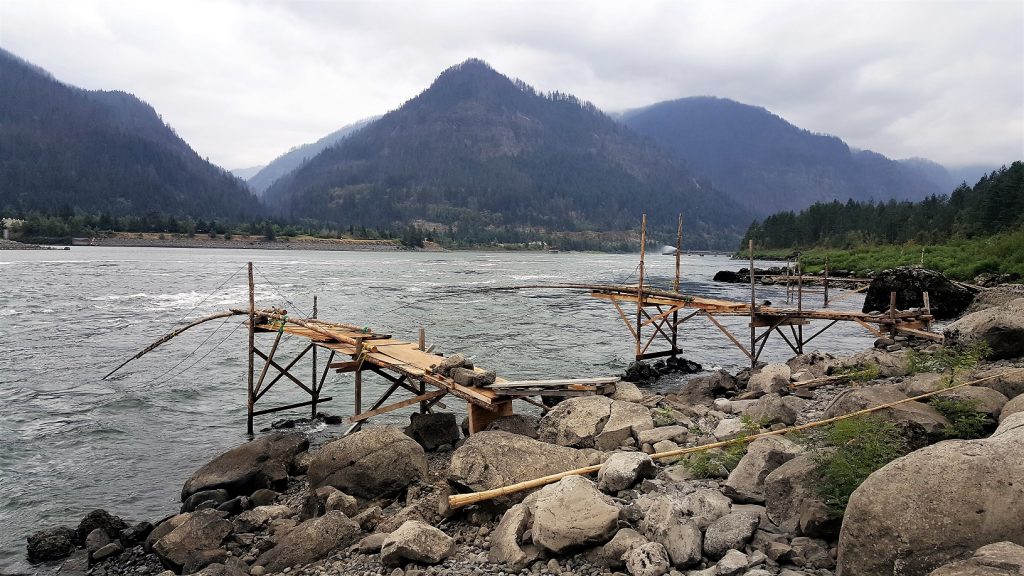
(800, 303)
(252, 347)
(753, 307)
(789, 269)
(826, 282)
(640, 284)
(422, 345)
(892, 314)
(675, 288)
(480, 417)
(316, 389)
(927, 310)
(358, 400)
(423, 391)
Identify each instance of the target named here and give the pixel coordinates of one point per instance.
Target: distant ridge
(294, 158)
(64, 148)
(478, 151)
(770, 165)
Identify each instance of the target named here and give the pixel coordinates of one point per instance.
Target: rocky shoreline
(376, 502)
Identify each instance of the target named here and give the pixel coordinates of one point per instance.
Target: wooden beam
(730, 336)
(480, 418)
(397, 405)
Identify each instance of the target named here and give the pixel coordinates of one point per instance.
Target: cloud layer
(245, 80)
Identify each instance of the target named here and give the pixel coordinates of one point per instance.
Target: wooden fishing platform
(662, 312)
(406, 366)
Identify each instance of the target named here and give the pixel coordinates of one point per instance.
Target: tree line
(994, 205)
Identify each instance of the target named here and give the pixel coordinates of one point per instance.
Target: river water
(71, 442)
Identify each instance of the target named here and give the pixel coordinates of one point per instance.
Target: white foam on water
(9, 312)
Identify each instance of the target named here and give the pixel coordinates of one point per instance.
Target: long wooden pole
(640, 283)
(753, 308)
(316, 390)
(826, 282)
(460, 500)
(252, 349)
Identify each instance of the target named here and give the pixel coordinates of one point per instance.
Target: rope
(215, 290)
(203, 357)
(293, 305)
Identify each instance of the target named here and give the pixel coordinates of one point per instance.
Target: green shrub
(848, 451)
(858, 372)
(966, 421)
(951, 359)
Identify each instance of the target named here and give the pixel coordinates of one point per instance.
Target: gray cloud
(243, 81)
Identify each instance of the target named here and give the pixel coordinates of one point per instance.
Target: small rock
(111, 549)
(416, 541)
(731, 531)
(649, 559)
(623, 469)
(51, 544)
(371, 544)
(733, 562)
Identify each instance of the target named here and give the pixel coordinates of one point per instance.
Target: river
(71, 442)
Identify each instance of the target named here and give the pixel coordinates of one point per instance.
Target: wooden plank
(397, 405)
(553, 383)
(346, 366)
(869, 327)
(920, 333)
(480, 418)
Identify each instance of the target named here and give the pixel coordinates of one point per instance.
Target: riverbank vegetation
(974, 230)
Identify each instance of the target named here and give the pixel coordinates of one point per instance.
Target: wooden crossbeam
(728, 334)
(283, 371)
(397, 405)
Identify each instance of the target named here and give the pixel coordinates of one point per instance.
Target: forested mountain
(294, 158)
(64, 148)
(247, 173)
(994, 205)
(768, 164)
(479, 151)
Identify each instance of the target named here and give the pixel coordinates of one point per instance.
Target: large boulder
(506, 540)
(489, 460)
(770, 379)
(202, 530)
(667, 522)
(917, 421)
(101, 519)
(571, 513)
(1012, 407)
(889, 364)
(576, 422)
(731, 531)
(433, 430)
(948, 299)
(418, 542)
(625, 421)
(1001, 327)
(310, 541)
(936, 505)
(775, 409)
(787, 488)
(51, 544)
(746, 481)
(369, 464)
(525, 424)
(702, 390)
(261, 463)
(623, 469)
(1007, 381)
(985, 400)
(999, 559)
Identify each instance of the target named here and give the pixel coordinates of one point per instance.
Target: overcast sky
(244, 81)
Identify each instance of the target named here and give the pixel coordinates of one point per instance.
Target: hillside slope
(64, 148)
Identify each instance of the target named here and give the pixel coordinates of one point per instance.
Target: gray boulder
(623, 469)
(650, 559)
(625, 421)
(627, 392)
(1007, 381)
(101, 519)
(948, 299)
(702, 390)
(985, 400)
(667, 522)
(775, 409)
(731, 531)
(916, 512)
(369, 464)
(202, 530)
(571, 513)
(771, 379)
(1012, 407)
(525, 424)
(889, 364)
(310, 541)
(999, 559)
(205, 497)
(506, 540)
(260, 516)
(1002, 327)
(575, 422)
(163, 529)
(732, 563)
(489, 460)
(433, 430)
(705, 505)
(661, 433)
(918, 421)
(418, 542)
(746, 481)
(922, 383)
(787, 487)
(261, 463)
(611, 554)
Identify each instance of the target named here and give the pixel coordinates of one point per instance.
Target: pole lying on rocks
(460, 500)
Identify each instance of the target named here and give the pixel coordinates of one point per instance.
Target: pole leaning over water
(753, 308)
(640, 284)
(675, 287)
